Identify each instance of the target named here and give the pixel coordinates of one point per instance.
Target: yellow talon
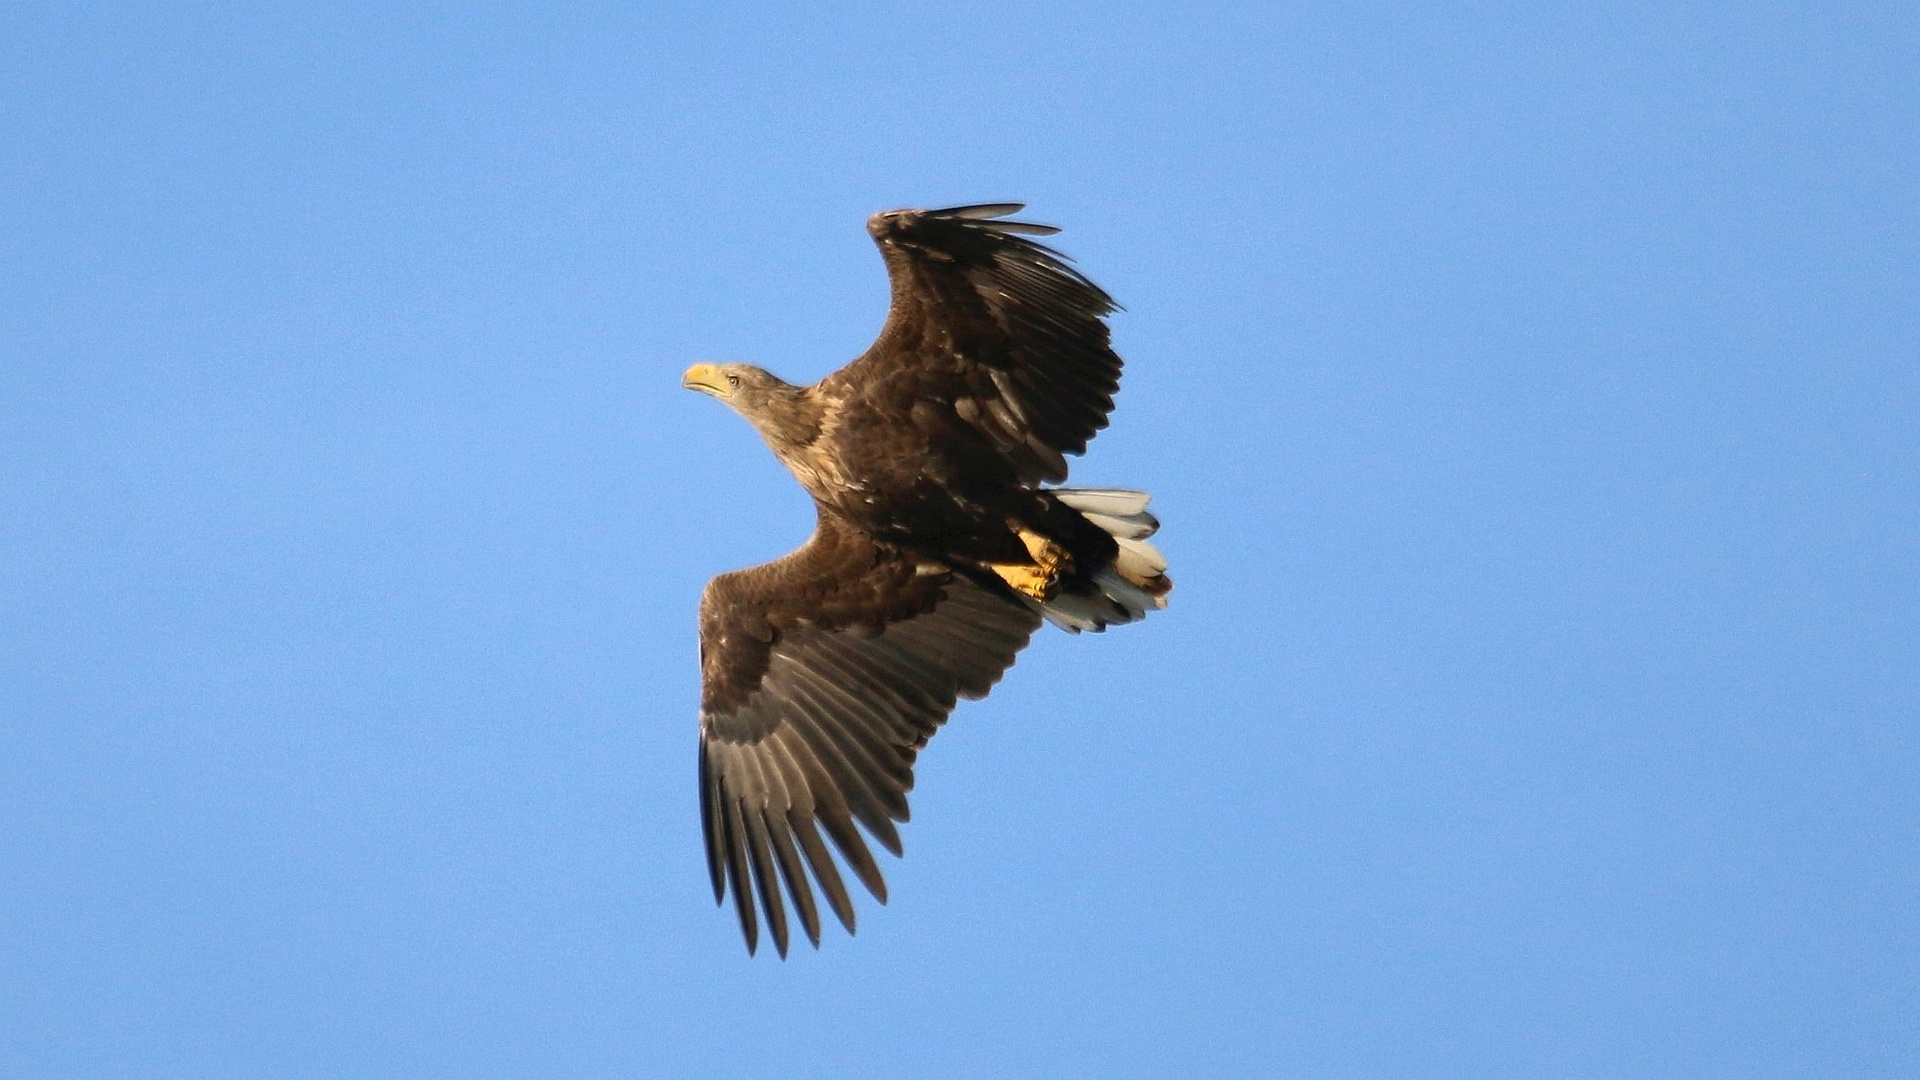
(1025, 579)
(1042, 579)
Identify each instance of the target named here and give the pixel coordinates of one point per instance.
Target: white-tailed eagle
(937, 554)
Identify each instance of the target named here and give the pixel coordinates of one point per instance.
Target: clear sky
(1529, 392)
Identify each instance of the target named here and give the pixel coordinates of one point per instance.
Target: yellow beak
(708, 379)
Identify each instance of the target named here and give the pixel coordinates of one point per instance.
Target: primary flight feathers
(936, 555)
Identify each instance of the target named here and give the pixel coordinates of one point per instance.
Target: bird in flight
(936, 554)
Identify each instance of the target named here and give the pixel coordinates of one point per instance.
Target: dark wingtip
(761, 859)
(825, 872)
(888, 836)
(711, 827)
(979, 211)
(1029, 228)
(740, 879)
(988, 216)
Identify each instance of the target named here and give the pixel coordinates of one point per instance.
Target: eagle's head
(741, 386)
(767, 401)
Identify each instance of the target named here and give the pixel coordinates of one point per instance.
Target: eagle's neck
(787, 416)
(790, 418)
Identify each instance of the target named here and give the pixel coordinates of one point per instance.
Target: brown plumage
(936, 555)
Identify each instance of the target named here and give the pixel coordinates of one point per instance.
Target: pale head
(772, 404)
(742, 386)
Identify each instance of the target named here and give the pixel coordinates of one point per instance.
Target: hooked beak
(708, 379)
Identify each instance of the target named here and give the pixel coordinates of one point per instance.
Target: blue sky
(1528, 391)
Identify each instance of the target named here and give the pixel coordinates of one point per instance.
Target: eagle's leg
(1041, 578)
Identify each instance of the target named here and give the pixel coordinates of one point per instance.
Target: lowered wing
(823, 674)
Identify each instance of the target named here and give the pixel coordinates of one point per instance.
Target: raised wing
(824, 673)
(996, 326)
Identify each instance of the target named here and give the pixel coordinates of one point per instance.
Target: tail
(1125, 589)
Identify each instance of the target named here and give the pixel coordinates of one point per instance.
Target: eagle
(938, 550)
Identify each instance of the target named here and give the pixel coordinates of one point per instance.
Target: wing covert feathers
(816, 725)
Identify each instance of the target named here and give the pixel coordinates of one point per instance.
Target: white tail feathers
(1114, 502)
(1138, 560)
(1134, 584)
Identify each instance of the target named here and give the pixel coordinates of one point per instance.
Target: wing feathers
(712, 807)
(823, 870)
(793, 874)
(985, 213)
(1027, 227)
(972, 295)
(757, 850)
(853, 774)
(738, 874)
(819, 727)
(982, 211)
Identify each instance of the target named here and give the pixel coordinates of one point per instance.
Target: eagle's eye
(733, 381)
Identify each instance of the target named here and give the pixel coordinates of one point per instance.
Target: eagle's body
(936, 555)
